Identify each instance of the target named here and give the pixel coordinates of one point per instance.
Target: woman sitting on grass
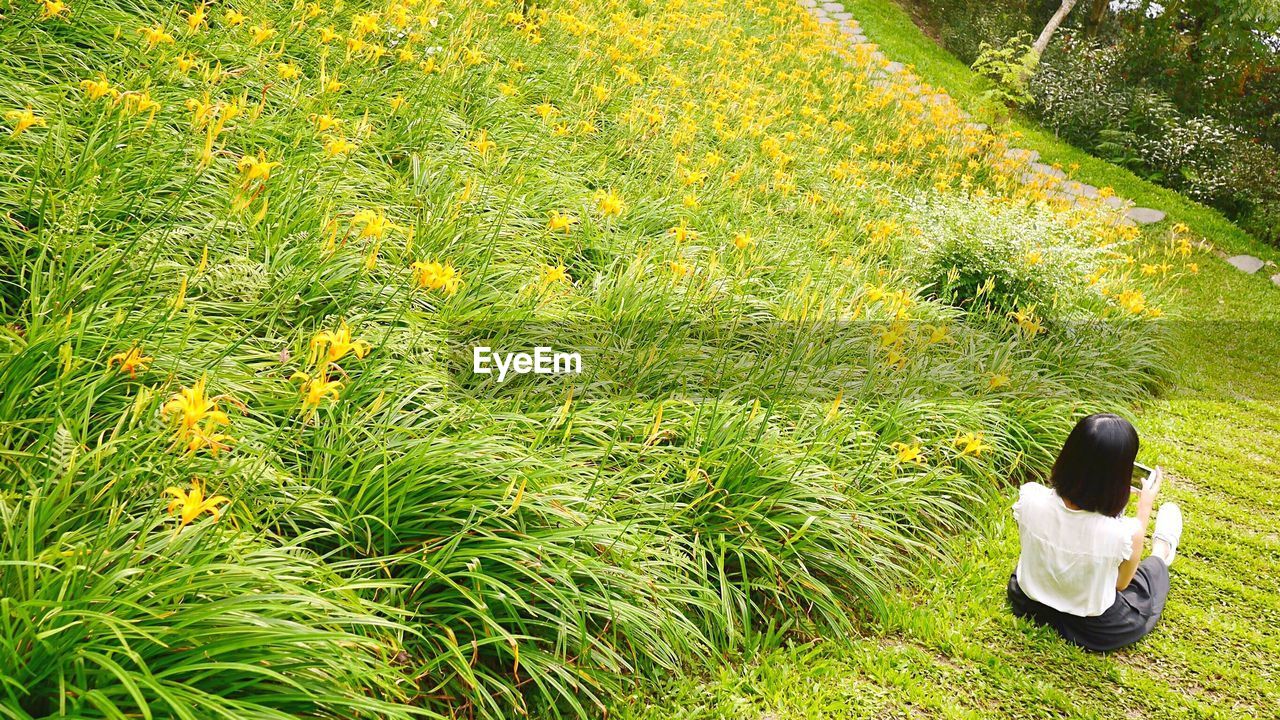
(1081, 570)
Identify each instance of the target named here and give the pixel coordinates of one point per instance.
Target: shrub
(1009, 67)
(989, 259)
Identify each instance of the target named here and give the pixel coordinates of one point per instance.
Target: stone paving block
(808, 3)
(842, 16)
(1145, 216)
(1049, 170)
(894, 67)
(832, 7)
(1276, 279)
(1081, 189)
(1022, 154)
(1246, 263)
(1114, 201)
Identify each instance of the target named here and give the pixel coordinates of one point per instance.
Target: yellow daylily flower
(130, 361)
(437, 276)
(908, 452)
(550, 275)
(364, 24)
(329, 347)
(98, 89)
(971, 444)
(197, 418)
(259, 34)
(609, 202)
(195, 17)
(1027, 321)
(938, 334)
(316, 390)
(373, 223)
(325, 122)
(188, 506)
(560, 222)
(22, 120)
(53, 8)
(155, 35)
(1133, 301)
(683, 232)
(335, 145)
(255, 167)
(483, 144)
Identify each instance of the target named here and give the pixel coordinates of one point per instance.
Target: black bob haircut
(1095, 468)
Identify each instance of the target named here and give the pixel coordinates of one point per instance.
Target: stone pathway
(1029, 170)
(1250, 264)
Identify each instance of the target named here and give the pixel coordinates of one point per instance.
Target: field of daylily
(246, 249)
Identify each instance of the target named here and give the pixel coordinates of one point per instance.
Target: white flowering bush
(987, 257)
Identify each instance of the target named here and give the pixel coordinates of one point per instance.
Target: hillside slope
(247, 252)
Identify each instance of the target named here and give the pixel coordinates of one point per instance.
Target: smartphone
(1140, 474)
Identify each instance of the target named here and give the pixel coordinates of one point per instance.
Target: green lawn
(949, 648)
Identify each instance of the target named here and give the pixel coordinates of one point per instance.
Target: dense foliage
(245, 470)
(1184, 93)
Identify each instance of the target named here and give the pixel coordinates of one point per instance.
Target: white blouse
(1070, 559)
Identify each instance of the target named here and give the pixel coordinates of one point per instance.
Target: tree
(1051, 27)
(1097, 13)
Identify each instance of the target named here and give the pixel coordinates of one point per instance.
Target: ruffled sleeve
(1026, 492)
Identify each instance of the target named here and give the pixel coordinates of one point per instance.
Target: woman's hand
(1150, 489)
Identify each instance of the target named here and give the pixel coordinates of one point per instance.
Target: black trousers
(1130, 617)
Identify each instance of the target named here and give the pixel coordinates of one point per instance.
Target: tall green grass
(780, 412)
